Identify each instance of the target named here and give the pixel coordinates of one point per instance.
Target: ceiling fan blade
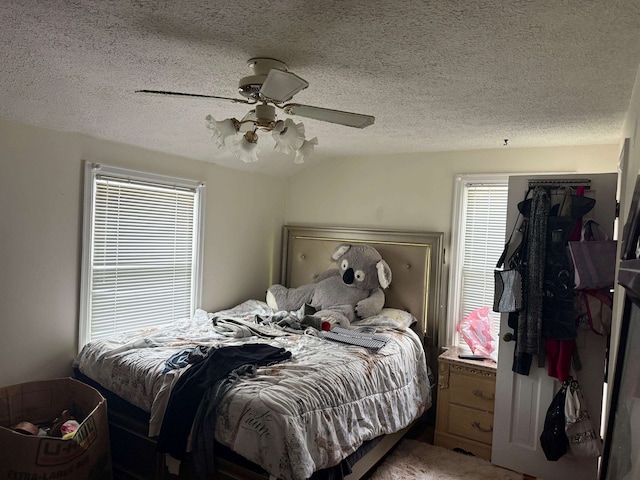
(192, 95)
(349, 119)
(281, 86)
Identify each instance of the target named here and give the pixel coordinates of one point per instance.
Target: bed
(287, 419)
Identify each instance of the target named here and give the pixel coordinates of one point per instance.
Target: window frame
(91, 171)
(462, 182)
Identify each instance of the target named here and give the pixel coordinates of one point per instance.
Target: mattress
(291, 418)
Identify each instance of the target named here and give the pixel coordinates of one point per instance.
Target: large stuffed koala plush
(353, 290)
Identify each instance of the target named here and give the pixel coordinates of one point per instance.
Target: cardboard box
(25, 457)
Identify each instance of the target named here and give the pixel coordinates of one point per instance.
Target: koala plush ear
(340, 250)
(384, 274)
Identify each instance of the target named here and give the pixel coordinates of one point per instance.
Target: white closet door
(522, 401)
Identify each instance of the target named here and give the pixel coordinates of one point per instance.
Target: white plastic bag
(475, 328)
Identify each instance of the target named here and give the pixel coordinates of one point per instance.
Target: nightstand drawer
(474, 392)
(469, 423)
(465, 402)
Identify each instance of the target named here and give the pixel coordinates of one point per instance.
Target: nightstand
(466, 393)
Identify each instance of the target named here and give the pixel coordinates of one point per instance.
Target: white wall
(41, 177)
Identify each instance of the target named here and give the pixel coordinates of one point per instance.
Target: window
(478, 237)
(142, 250)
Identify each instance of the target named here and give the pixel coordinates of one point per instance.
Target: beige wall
(416, 191)
(41, 176)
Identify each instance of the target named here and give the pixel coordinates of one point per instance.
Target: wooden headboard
(415, 259)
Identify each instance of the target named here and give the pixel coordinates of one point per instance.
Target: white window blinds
(478, 237)
(484, 237)
(142, 267)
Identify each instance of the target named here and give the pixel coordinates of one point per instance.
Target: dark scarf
(529, 333)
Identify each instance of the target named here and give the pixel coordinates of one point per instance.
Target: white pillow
(388, 317)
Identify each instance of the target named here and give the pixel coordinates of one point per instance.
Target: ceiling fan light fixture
(247, 123)
(305, 150)
(265, 117)
(268, 87)
(245, 148)
(278, 126)
(222, 129)
(290, 138)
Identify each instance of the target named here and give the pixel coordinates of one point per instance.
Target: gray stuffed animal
(354, 290)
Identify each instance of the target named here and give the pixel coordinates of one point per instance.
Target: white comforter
(293, 418)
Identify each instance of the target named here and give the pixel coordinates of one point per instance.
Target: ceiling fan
(270, 86)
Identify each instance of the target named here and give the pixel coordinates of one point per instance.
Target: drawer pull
(477, 426)
(478, 393)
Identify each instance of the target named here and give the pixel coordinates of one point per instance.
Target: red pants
(559, 357)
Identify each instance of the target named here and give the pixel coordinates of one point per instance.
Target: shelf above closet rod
(559, 182)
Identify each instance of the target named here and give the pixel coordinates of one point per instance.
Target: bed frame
(415, 259)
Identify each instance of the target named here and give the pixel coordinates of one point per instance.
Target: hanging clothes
(529, 321)
(547, 325)
(559, 354)
(560, 317)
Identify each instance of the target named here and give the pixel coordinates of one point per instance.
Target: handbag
(595, 310)
(553, 440)
(507, 290)
(507, 282)
(593, 257)
(584, 441)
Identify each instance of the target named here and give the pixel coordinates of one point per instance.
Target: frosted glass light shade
(245, 148)
(305, 150)
(221, 130)
(290, 138)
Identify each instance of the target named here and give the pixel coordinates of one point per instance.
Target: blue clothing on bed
(186, 356)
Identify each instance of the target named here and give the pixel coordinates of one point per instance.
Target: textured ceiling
(437, 75)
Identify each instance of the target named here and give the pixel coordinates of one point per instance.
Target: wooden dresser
(466, 394)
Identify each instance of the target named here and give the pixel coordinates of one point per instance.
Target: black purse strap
(503, 257)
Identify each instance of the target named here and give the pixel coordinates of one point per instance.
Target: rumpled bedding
(291, 418)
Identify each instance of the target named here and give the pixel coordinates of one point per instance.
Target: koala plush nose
(348, 276)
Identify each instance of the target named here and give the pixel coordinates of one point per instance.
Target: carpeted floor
(413, 460)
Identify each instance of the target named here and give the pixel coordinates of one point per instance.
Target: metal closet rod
(560, 182)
